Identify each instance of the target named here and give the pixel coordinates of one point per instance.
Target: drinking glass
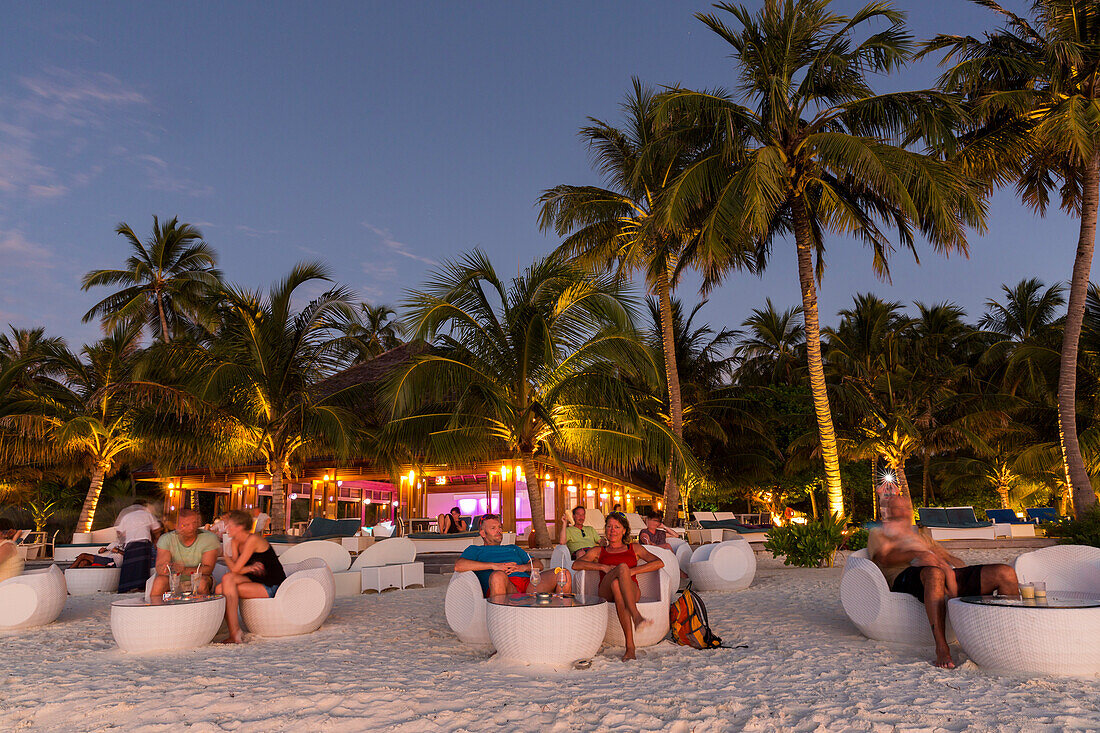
(560, 572)
(1040, 590)
(1027, 591)
(196, 582)
(536, 577)
(174, 573)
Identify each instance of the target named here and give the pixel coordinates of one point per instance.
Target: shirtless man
(917, 565)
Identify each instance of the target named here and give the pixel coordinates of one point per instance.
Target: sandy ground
(390, 662)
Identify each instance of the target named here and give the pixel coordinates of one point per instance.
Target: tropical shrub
(810, 545)
(1083, 531)
(857, 539)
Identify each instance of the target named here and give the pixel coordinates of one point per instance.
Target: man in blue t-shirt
(503, 568)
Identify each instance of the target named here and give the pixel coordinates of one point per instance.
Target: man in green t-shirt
(575, 534)
(186, 550)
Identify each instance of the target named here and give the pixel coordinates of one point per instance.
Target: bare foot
(943, 659)
(231, 639)
(629, 654)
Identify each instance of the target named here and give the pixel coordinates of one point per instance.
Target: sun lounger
(1066, 569)
(301, 604)
(87, 581)
(1043, 514)
(318, 528)
(428, 542)
(1007, 524)
(878, 612)
(729, 565)
(34, 598)
(955, 523)
(89, 542)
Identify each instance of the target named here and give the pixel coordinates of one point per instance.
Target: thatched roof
(367, 378)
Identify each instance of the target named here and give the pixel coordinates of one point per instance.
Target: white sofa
(657, 590)
(389, 563)
(34, 598)
(878, 612)
(723, 566)
(348, 582)
(301, 604)
(1064, 568)
(465, 608)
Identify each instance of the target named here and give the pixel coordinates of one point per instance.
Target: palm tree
(813, 149)
(165, 280)
(616, 225)
(84, 413)
(1034, 94)
(1023, 336)
(772, 347)
(257, 383)
(371, 330)
(24, 351)
(546, 364)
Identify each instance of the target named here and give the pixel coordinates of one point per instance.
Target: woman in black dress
(254, 569)
(452, 522)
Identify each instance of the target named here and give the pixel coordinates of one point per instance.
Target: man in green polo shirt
(575, 534)
(188, 548)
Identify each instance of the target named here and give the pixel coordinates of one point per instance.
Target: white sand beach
(390, 662)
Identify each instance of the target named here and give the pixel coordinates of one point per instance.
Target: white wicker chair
(302, 603)
(87, 581)
(465, 608)
(657, 589)
(878, 612)
(1064, 568)
(32, 599)
(682, 550)
(388, 564)
(729, 565)
(348, 582)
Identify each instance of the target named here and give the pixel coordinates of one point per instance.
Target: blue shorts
(271, 590)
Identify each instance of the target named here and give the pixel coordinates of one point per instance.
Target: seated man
(503, 569)
(577, 536)
(107, 557)
(915, 564)
(655, 532)
(187, 549)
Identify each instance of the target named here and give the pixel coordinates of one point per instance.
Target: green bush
(1084, 531)
(857, 539)
(810, 545)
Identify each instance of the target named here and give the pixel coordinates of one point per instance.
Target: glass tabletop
(528, 600)
(1053, 600)
(140, 601)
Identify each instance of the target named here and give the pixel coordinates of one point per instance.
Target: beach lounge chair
(34, 598)
(1007, 524)
(348, 582)
(637, 524)
(319, 528)
(955, 523)
(1043, 514)
(87, 581)
(878, 612)
(705, 535)
(728, 565)
(657, 590)
(302, 603)
(89, 542)
(389, 563)
(1066, 569)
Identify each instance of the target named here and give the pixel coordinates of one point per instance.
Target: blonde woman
(617, 563)
(254, 570)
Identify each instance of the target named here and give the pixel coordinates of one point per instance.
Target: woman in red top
(617, 563)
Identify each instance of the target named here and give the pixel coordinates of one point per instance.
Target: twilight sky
(381, 138)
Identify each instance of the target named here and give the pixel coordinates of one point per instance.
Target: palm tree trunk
(1002, 492)
(163, 320)
(540, 536)
(87, 512)
(1076, 475)
(903, 482)
(675, 403)
(279, 515)
(826, 432)
(874, 488)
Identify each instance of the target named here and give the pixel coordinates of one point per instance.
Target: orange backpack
(688, 622)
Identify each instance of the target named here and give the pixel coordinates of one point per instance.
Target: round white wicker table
(558, 632)
(1007, 634)
(139, 626)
